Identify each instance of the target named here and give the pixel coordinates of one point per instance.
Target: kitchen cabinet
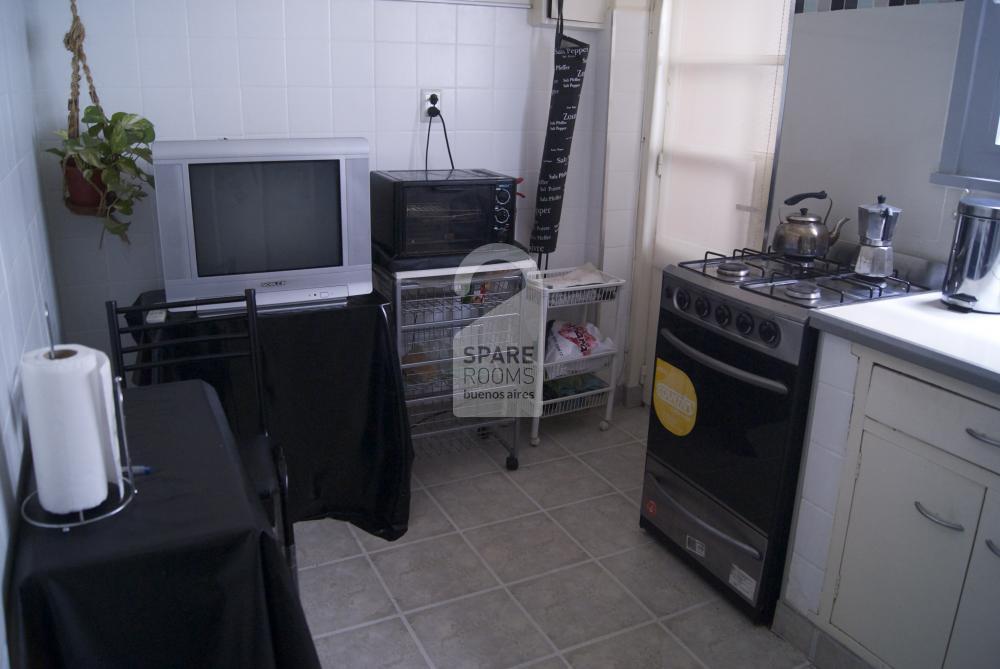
(975, 640)
(903, 566)
(911, 581)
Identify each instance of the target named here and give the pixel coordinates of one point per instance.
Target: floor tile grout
(607, 571)
(395, 604)
(482, 560)
(356, 626)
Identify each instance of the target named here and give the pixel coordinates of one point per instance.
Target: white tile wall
(622, 147)
(825, 447)
(25, 270)
(241, 68)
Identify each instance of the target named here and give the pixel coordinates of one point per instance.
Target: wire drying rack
(429, 317)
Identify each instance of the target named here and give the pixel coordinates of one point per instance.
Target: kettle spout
(835, 233)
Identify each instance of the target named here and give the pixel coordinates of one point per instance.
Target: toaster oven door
(446, 219)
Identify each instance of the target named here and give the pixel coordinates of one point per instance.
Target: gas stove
(733, 373)
(811, 283)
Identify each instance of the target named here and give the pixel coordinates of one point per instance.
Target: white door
(909, 536)
(722, 80)
(975, 641)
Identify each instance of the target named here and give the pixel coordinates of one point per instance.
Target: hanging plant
(101, 169)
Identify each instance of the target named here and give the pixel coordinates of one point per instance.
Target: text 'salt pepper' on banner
(567, 84)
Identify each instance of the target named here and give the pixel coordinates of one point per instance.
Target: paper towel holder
(33, 513)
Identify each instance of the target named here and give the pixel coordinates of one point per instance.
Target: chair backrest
(229, 332)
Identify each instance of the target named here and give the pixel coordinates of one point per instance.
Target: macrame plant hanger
(73, 41)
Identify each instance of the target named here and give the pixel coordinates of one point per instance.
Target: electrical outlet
(425, 102)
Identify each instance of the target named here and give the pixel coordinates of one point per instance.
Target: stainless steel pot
(972, 282)
(805, 235)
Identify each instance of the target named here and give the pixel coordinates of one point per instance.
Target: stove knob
(723, 316)
(501, 215)
(683, 300)
(744, 323)
(702, 307)
(769, 332)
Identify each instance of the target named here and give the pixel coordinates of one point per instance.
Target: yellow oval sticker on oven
(674, 399)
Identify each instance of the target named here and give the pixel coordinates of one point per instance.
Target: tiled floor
(542, 567)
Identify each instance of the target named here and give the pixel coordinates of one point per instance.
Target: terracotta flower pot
(83, 193)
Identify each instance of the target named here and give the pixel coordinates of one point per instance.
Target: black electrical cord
(433, 112)
(427, 146)
(446, 142)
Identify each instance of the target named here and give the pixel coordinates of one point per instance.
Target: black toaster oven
(421, 214)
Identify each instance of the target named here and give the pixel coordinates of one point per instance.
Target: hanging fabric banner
(567, 83)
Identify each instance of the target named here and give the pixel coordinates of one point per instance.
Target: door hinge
(659, 164)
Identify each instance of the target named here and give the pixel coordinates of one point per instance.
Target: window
(970, 156)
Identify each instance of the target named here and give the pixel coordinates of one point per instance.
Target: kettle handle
(795, 199)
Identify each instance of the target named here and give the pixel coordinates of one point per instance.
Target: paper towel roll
(71, 419)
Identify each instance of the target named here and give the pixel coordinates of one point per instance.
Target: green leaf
(110, 177)
(63, 134)
(91, 157)
(57, 152)
(93, 114)
(119, 139)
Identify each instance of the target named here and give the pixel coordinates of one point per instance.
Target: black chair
(157, 350)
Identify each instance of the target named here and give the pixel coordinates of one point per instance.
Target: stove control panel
(738, 320)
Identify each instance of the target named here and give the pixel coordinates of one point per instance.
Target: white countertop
(923, 329)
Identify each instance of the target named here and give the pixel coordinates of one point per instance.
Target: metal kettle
(805, 235)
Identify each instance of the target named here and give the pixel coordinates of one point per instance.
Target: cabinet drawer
(936, 416)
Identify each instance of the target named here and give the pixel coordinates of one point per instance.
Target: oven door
(446, 219)
(723, 419)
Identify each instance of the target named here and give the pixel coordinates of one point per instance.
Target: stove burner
(734, 270)
(803, 290)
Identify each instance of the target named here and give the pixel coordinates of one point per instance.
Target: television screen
(252, 217)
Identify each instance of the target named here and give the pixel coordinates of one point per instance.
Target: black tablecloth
(335, 405)
(188, 575)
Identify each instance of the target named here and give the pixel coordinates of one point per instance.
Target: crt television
(287, 217)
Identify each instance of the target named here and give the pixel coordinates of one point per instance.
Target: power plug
(430, 104)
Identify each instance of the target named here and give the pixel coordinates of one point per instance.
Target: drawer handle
(993, 547)
(985, 438)
(711, 529)
(933, 517)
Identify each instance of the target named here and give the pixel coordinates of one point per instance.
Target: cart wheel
(535, 441)
(605, 426)
(512, 463)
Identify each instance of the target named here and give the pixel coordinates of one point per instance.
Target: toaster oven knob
(702, 307)
(769, 332)
(683, 300)
(503, 196)
(723, 316)
(744, 323)
(501, 215)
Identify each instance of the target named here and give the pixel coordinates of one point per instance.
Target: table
(188, 575)
(335, 405)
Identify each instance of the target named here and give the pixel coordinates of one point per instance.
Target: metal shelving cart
(428, 316)
(544, 294)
